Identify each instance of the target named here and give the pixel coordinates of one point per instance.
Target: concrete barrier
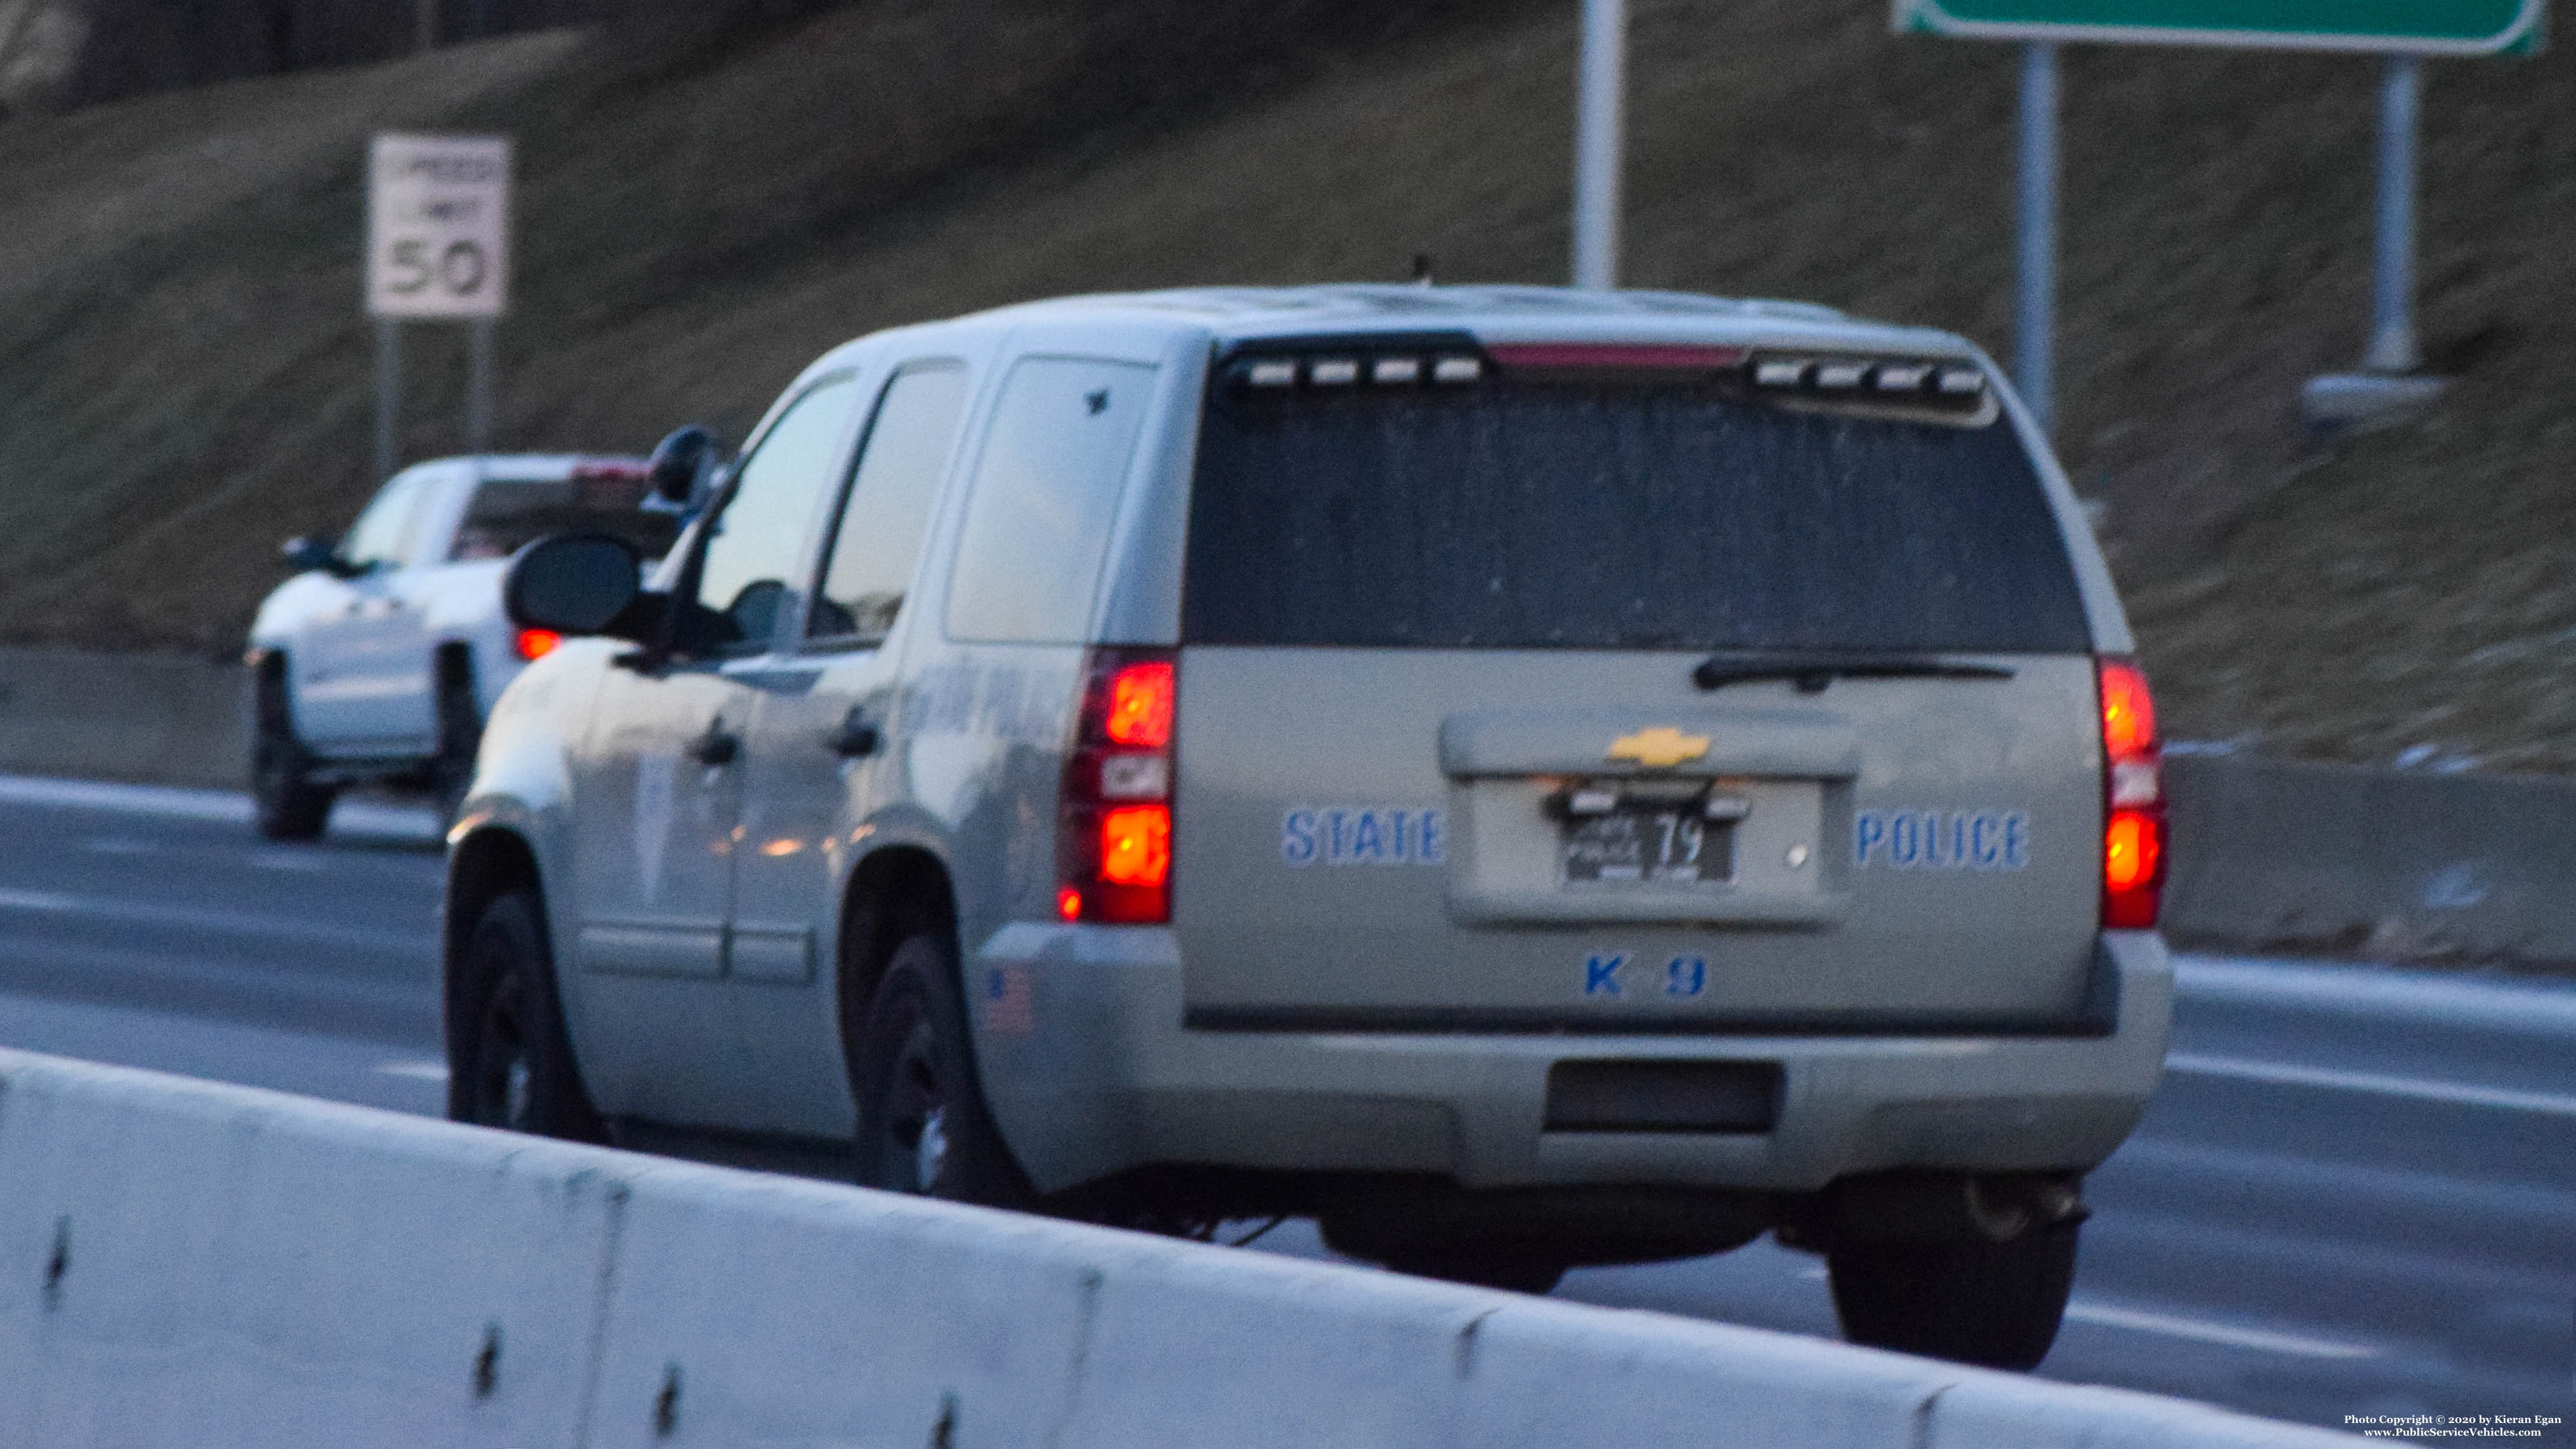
(2395, 864)
(184, 1263)
(161, 719)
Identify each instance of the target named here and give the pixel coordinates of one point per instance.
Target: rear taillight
(1113, 840)
(537, 643)
(2133, 799)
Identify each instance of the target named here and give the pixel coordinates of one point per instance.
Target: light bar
(1395, 371)
(1902, 376)
(1841, 376)
(1271, 374)
(1333, 372)
(1628, 356)
(1780, 372)
(1458, 369)
(1961, 382)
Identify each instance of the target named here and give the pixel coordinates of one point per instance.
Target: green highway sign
(2404, 27)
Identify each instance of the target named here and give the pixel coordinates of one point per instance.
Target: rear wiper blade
(1811, 672)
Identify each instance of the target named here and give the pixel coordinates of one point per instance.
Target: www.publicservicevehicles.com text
(2451, 1426)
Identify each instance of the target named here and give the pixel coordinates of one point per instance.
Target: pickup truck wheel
(285, 803)
(1996, 1305)
(460, 739)
(510, 1064)
(923, 1126)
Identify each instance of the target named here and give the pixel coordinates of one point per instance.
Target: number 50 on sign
(438, 226)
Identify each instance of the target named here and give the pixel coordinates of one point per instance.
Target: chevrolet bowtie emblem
(1659, 748)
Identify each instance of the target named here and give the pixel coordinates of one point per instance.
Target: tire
(923, 1125)
(509, 1063)
(460, 738)
(1996, 1305)
(286, 804)
(1518, 1273)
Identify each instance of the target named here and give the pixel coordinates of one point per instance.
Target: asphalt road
(2356, 1194)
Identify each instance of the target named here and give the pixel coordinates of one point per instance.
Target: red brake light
(1136, 845)
(1140, 705)
(538, 643)
(2133, 799)
(1114, 811)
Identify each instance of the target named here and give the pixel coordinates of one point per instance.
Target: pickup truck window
(507, 514)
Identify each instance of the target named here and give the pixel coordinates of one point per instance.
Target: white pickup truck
(378, 661)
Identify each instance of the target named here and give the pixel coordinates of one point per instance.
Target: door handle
(855, 738)
(716, 746)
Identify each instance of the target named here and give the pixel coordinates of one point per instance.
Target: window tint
(383, 534)
(507, 514)
(757, 539)
(1537, 515)
(889, 504)
(1046, 490)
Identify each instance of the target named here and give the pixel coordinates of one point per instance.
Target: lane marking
(415, 1071)
(2204, 1331)
(235, 923)
(2283, 1074)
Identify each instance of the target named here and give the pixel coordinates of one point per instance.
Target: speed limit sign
(438, 226)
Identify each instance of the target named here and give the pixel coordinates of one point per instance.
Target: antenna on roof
(1422, 269)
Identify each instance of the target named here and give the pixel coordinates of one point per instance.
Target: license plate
(1675, 846)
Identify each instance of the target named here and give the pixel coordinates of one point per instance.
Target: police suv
(1529, 778)
(378, 660)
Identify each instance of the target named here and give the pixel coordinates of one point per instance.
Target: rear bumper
(1091, 1071)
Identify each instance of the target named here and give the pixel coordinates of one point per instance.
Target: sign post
(2403, 30)
(1597, 144)
(438, 248)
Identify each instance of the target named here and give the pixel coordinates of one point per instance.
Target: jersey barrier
(185, 1263)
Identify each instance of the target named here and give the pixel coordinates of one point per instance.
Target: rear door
(1444, 762)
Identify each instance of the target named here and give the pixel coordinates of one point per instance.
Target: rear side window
(1540, 514)
(1044, 497)
(508, 513)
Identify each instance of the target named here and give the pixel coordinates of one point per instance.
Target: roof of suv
(1233, 313)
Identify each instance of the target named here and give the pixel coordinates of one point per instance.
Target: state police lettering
(1942, 840)
(1363, 835)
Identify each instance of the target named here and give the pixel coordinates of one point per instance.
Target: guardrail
(185, 1263)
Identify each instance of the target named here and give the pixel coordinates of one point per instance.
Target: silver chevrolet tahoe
(1527, 778)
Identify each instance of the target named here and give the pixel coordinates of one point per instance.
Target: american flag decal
(1010, 1003)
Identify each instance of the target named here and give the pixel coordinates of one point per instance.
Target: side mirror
(681, 460)
(572, 583)
(307, 555)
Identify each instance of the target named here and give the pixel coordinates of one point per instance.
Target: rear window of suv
(1541, 514)
(508, 513)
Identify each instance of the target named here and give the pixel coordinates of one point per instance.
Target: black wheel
(1992, 1304)
(509, 1063)
(923, 1126)
(286, 804)
(460, 737)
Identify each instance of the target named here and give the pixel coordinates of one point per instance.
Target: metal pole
(388, 397)
(2392, 285)
(478, 386)
(2034, 326)
(1597, 144)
